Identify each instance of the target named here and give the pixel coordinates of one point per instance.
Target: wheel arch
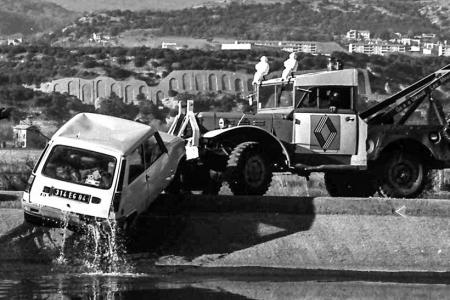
(240, 134)
(408, 145)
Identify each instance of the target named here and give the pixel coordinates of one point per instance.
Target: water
(69, 285)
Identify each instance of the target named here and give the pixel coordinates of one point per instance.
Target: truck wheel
(349, 184)
(248, 170)
(402, 175)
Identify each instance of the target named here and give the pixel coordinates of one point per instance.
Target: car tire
(402, 175)
(248, 170)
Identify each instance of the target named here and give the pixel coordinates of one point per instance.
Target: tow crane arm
(414, 95)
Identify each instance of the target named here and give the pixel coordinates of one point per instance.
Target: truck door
(325, 121)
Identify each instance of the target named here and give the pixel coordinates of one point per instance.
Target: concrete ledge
(274, 234)
(10, 199)
(175, 204)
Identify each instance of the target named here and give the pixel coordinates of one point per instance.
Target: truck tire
(402, 175)
(349, 184)
(248, 170)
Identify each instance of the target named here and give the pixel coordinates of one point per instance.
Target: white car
(99, 167)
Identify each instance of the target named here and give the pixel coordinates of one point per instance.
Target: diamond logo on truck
(325, 132)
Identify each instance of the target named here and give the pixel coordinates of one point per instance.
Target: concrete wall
(194, 81)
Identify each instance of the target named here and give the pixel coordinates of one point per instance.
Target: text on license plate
(70, 195)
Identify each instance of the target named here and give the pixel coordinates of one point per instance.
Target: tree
(114, 106)
(140, 61)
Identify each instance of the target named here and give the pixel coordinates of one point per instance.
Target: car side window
(153, 150)
(136, 163)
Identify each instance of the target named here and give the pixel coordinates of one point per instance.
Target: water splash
(62, 258)
(98, 250)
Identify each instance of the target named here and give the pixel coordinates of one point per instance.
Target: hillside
(322, 20)
(89, 5)
(31, 16)
(436, 11)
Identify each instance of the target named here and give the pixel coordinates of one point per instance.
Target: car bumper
(53, 217)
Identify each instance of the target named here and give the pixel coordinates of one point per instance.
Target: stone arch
(142, 90)
(159, 96)
(199, 82)
(173, 84)
(185, 81)
(238, 86)
(212, 82)
(100, 88)
(72, 88)
(86, 95)
(116, 89)
(250, 84)
(129, 94)
(225, 83)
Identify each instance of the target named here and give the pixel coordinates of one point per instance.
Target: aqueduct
(192, 81)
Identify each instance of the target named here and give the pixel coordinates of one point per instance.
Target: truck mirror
(250, 101)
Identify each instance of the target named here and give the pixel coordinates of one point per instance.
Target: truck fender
(402, 143)
(247, 133)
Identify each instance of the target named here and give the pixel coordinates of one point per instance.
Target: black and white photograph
(224, 149)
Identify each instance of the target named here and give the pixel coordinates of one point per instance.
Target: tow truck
(319, 121)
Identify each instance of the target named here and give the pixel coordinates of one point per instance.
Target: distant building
(170, 45)
(28, 136)
(426, 51)
(236, 46)
(305, 47)
(410, 41)
(14, 41)
(377, 49)
(444, 50)
(297, 46)
(358, 34)
(428, 35)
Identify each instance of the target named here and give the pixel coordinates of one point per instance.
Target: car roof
(106, 131)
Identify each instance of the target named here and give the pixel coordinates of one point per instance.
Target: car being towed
(99, 167)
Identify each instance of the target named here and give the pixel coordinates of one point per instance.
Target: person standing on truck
(262, 69)
(290, 66)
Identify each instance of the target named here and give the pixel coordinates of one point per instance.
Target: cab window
(275, 96)
(324, 97)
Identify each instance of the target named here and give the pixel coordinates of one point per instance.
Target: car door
(158, 167)
(325, 122)
(136, 191)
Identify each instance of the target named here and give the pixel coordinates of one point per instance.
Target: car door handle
(349, 119)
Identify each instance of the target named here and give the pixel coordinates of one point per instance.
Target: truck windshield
(80, 166)
(275, 96)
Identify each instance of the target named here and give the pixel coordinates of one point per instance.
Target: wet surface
(57, 281)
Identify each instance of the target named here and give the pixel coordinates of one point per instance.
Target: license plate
(70, 195)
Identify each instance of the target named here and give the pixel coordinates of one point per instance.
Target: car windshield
(80, 166)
